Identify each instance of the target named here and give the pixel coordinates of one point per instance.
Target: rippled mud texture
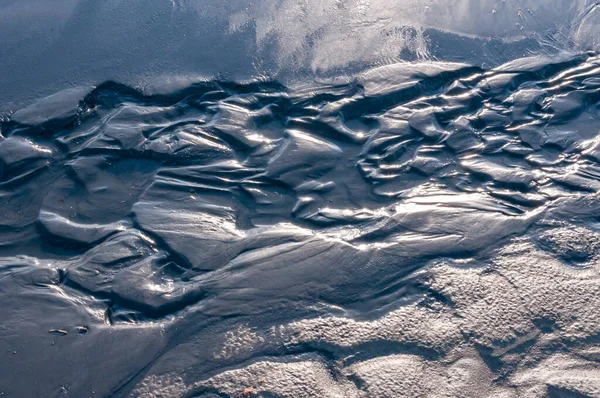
(426, 230)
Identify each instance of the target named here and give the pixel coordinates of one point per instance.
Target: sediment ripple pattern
(422, 230)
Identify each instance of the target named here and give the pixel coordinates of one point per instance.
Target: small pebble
(82, 329)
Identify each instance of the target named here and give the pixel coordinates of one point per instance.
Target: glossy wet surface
(428, 229)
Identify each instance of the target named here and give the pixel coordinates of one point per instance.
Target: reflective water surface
(51, 45)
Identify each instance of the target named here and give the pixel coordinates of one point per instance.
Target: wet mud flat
(425, 229)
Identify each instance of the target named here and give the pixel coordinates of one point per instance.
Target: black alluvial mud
(425, 229)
